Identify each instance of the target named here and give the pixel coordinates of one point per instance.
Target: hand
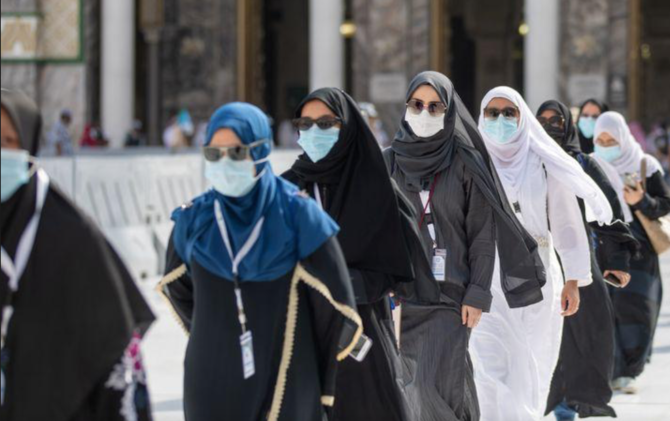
(633, 196)
(471, 316)
(621, 276)
(570, 299)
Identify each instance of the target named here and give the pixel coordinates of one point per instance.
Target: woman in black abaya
(343, 169)
(70, 351)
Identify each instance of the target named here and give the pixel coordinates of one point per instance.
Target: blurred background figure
(93, 137)
(370, 113)
(59, 140)
(589, 112)
(136, 137)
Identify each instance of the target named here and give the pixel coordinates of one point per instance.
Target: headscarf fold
(364, 202)
(632, 154)
(294, 227)
(512, 159)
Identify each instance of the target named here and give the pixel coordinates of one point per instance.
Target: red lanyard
(430, 199)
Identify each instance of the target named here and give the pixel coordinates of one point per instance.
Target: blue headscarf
(294, 226)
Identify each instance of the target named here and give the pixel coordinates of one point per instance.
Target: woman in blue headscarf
(260, 283)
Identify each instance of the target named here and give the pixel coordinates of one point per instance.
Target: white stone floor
(164, 352)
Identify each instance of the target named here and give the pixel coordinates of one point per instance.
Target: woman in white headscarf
(636, 307)
(515, 351)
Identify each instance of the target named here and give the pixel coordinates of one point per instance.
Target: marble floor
(165, 345)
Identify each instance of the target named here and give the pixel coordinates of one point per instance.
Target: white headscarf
(632, 154)
(511, 159)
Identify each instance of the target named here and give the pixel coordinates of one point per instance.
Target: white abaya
(515, 351)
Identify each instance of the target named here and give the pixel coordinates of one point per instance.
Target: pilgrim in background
(343, 169)
(589, 112)
(515, 351)
(441, 165)
(71, 326)
(636, 307)
(258, 280)
(581, 382)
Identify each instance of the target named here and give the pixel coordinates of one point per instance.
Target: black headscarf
(586, 143)
(77, 307)
(364, 203)
(569, 140)
(521, 266)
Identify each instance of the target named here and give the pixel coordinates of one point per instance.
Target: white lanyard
(236, 260)
(15, 269)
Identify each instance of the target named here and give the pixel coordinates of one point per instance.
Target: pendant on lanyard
(246, 339)
(14, 270)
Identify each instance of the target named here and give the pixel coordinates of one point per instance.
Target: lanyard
(237, 259)
(430, 199)
(15, 269)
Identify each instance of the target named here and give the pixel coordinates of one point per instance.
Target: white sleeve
(569, 233)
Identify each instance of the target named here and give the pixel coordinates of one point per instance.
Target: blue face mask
(232, 178)
(501, 130)
(317, 143)
(15, 171)
(608, 153)
(587, 125)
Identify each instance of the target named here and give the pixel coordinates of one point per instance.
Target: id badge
(248, 364)
(440, 265)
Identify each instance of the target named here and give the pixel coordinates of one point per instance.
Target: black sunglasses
(235, 153)
(435, 109)
(507, 112)
(324, 123)
(553, 121)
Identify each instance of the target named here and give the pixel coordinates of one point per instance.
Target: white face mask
(424, 125)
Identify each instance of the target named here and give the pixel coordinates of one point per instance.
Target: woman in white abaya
(515, 351)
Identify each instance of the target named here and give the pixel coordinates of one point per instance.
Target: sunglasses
(508, 112)
(553, 121)
(324, 123)
(235, 153)
(435, 109)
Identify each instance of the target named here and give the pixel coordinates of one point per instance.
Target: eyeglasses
(553, 121)
(509, 113)
(435, 109)
(593, 116)
(324, 123)
(235, 153)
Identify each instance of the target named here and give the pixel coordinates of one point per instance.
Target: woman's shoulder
(185, 213)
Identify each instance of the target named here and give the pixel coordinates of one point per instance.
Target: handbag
(658, 230)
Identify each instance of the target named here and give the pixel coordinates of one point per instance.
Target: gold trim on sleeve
(167, 280)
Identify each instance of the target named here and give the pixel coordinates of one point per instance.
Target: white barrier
(131, 197)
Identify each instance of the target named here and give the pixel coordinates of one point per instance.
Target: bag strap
(643, 173)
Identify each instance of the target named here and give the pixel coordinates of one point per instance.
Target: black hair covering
(521, 267)
(26, 118)
(570, 139)
(77, 307)
(586, 143)
(364, 203)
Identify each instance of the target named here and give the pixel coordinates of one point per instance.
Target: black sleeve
(334, 328)
(656, 201)
(177, 287)
(481, 238)
(615, 241)
(370, 287)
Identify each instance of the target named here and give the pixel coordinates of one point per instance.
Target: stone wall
(198, 56)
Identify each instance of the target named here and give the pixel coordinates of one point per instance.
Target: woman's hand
(471, 316)
(623, 277)
(570, 299)
(633, 196)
